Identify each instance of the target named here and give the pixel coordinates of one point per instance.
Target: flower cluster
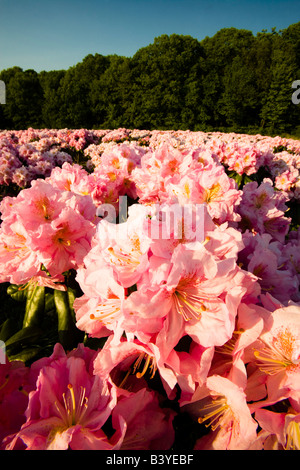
(173, 262)
(71, 406)
(44, 227)
(34, 153)
(23, 162)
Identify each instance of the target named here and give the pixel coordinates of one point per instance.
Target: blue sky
(57, 34)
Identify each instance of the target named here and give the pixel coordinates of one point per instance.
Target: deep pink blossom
(68, 407)
(14, 389)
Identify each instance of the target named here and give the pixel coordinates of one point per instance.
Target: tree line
(234, 81)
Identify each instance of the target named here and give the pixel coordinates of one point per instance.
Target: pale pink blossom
(19, 262)
(63, 244)
(274, 357)
(198, 296)
(125, 246)
(68, 177)
(221, 405)
(279, 431)
(128, 362)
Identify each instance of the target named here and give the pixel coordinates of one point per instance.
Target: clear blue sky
(57, 34)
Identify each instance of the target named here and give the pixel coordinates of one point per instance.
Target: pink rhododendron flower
(186, 284)
(63, 244)
(279, 431)
(125, 246)
(276, 357)
(18, 261)
(263, 209)
(220, 193)
(127, 362)
(68, 407)
(44, 226)
(68, 177)
(229, 359)
(40, 204)
(263, 257)
(286, 179)
(193, 298)
(99, 310)
(222, 405)
(148, 426)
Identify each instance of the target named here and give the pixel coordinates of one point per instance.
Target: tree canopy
(233, 81)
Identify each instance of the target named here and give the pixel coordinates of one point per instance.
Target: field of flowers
(150, 290)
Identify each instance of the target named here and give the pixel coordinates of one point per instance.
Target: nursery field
(149, 290)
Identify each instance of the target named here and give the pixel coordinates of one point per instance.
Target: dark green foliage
(34, 318)
(24, 98)
(233, 81)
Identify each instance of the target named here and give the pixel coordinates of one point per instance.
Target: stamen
(107, 311)
(83, 404)
(149, 365)
(147, 362)
(73, 402)
(21, 389)
(5, 382)
(212, 193)
(124, 380)
(42, 206)
(206, 240)
(71, 412)
(293, 436)
(121, 258)
(67, 185)
(226, 348)
(188, 305)
(112, 176)
(16, 247)
(24, 286)
(138, 362)
(64, 242)
(229, 346)
(216, 410)
(187, 190)
(271, 361)
(283, 354)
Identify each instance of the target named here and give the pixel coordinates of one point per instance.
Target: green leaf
(49, 302)
(66, 322)
(24, 336)
(35, 306)
(7, 329)
(18, 293)
(61, 300)
(25, 355)
(71, 298)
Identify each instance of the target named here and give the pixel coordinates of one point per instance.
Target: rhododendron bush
(149, 290)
